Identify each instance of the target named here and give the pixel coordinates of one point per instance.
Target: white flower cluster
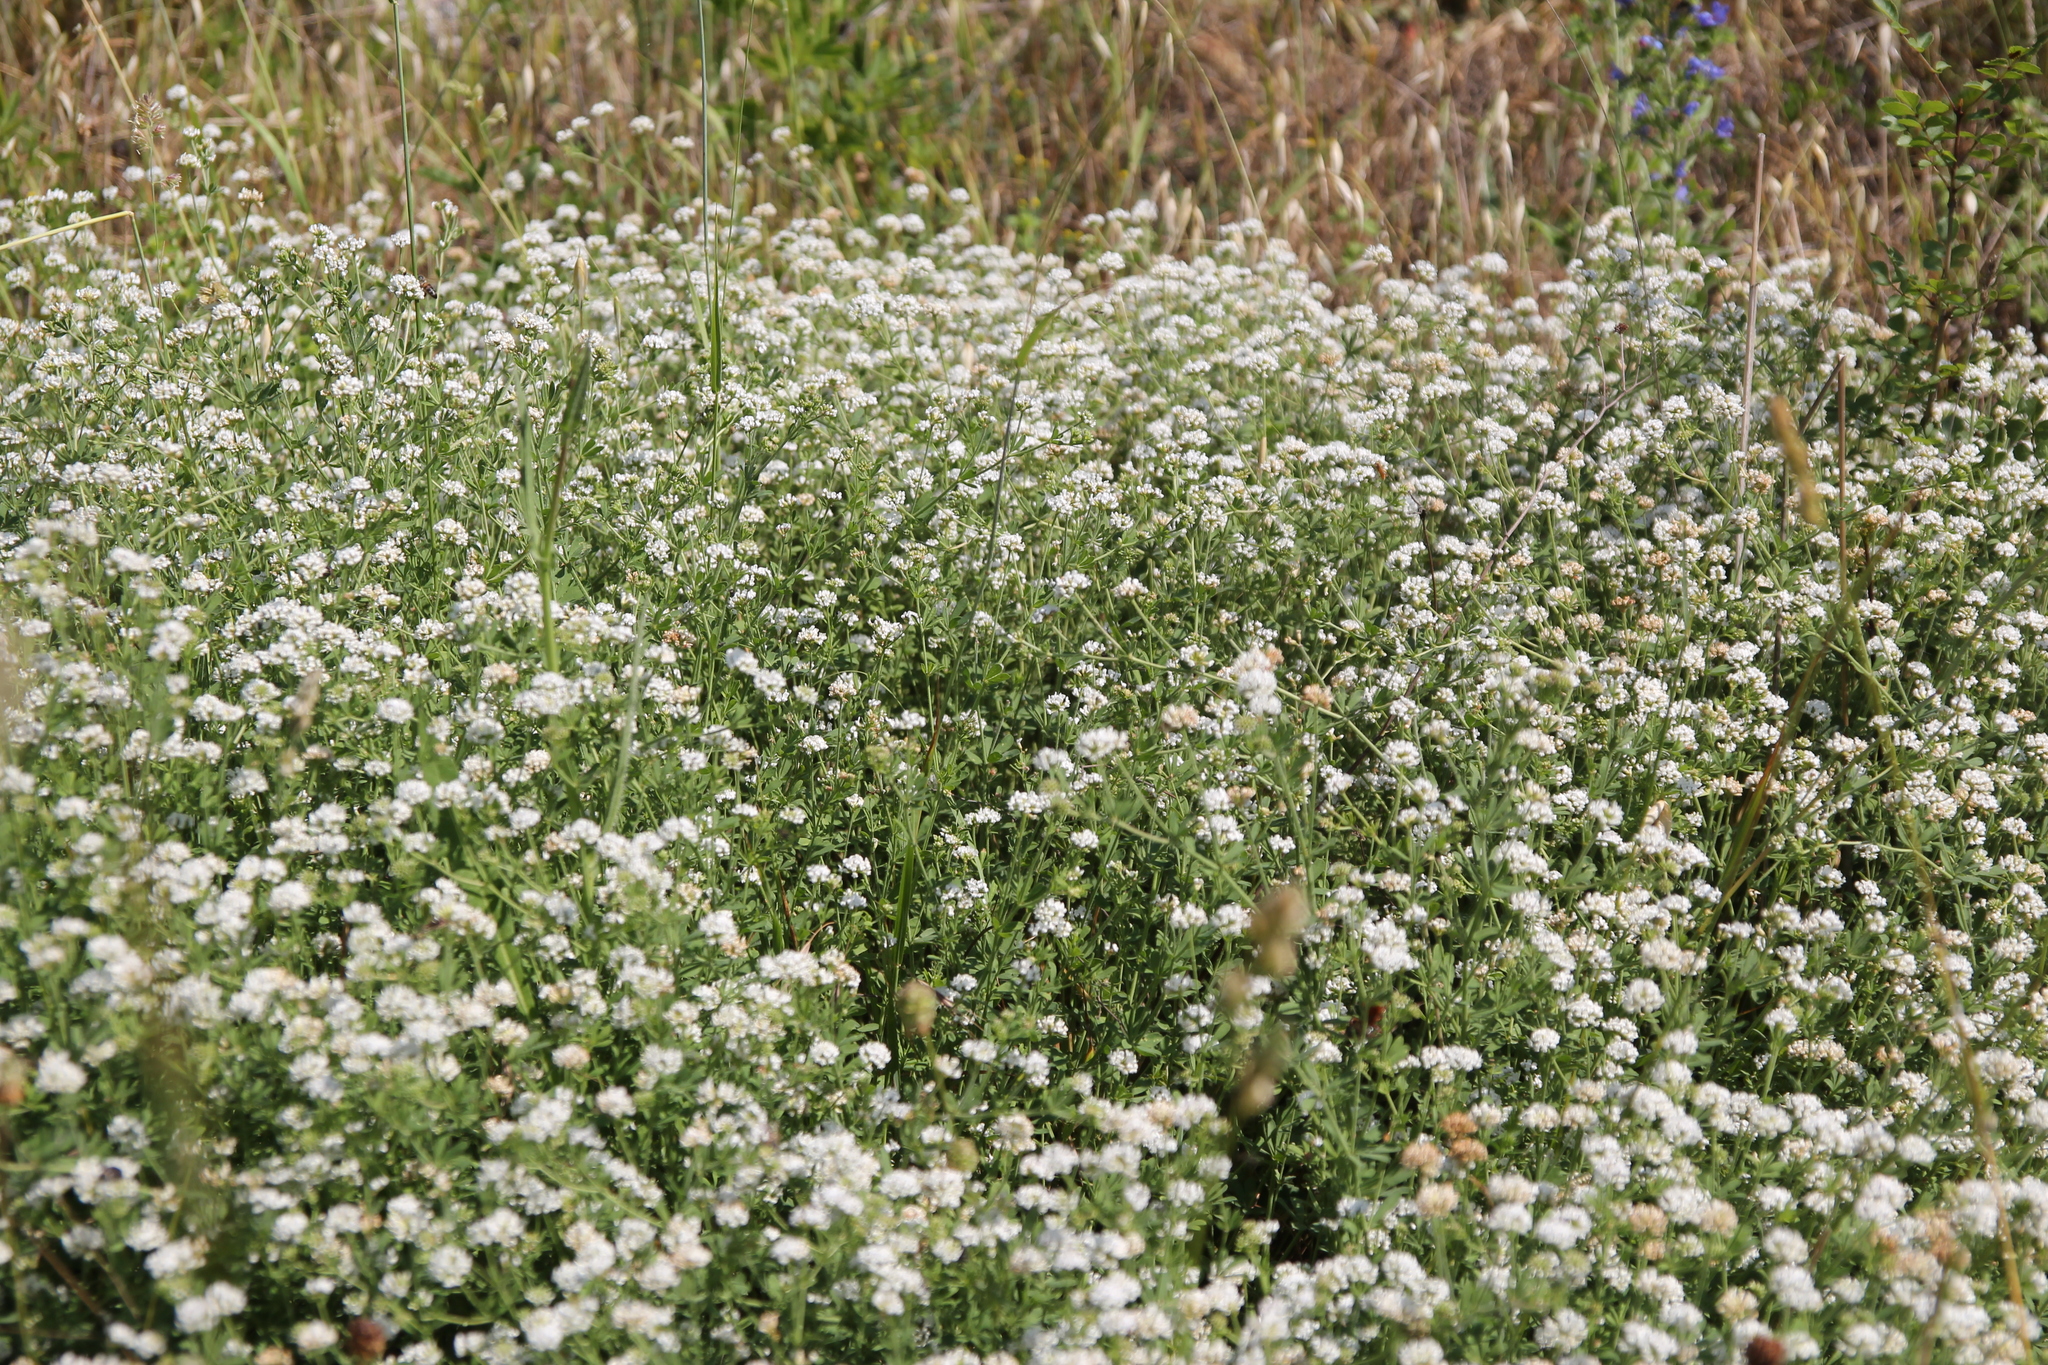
(1135, 814)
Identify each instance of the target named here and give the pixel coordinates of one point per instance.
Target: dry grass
(1442, 136)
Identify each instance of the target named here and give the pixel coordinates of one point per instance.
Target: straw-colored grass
(1341, 123)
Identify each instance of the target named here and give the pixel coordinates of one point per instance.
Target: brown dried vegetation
(1341, 123)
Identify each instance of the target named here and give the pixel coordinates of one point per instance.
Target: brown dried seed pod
(365, 1340)
(1764, 1351)
(1281, 916)
(1282, 913)
(1424, 1156)
(1468, 1151)
(1255, 1096)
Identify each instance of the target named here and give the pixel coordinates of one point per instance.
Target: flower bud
(1258, 1084)
(13, 1081)
(1282, 913)
(919, 1006)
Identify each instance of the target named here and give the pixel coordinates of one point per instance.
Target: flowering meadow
(728, 786)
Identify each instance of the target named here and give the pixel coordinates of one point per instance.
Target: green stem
(704, 196)
(565, 445)
(634, 689)
(405, 143)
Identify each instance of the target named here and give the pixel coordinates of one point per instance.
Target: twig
(1842, 472)
(92, 12)
(1753, 808)
(70, 1278)
(1222, 116)
(1756, 228)
(712, 259)
(68, 227)
(412, 240)
(1912, 7)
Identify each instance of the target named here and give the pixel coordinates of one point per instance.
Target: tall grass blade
(568, 441)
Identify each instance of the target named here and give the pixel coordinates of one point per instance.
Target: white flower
(173, 1259)
(203, 1312)
(1051, 918)
(1114, 1290)
(1095, 745)
(394, 710)
(314, 1336)
(500, 1227)
(546, 1328)
(170, 640)
(247, 782)
(57, 1074)
(1257, 684)
(1794, 1289)
(290, 896)
(1784, 1245)
(1641, 996)
(1564, 1226)
(148, 1345)
(449, 1264)
(132, 561)
(1561, 1331)
(876, 1055)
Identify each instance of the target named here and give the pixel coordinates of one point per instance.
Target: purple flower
(1651, 40)
(1700, 66)
(1724, 126)
(1714, 15)
(1641, 108)
(1691, 107)
(1615, 74)
(1684, 195)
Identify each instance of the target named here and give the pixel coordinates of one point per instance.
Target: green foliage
(1665, 63)
(738, 785)
(1977, 141)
